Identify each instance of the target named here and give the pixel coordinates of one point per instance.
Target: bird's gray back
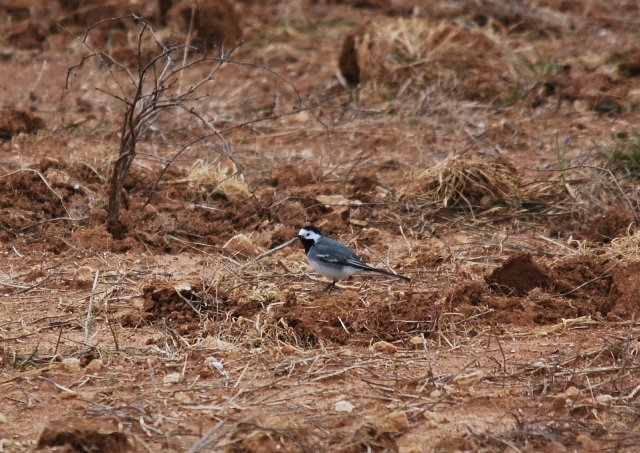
(329, 247)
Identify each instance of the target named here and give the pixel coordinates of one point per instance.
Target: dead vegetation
(465, 181)
(204, 181)
(398, 53)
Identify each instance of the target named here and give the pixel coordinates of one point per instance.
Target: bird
(332, 259)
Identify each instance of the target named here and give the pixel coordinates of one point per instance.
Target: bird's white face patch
(312, 236)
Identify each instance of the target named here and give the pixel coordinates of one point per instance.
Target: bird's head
(309, 235)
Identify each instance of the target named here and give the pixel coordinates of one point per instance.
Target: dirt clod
(610, 225)
(14, 122)
(625, 291)
(81, 435)
(519, 275)
(215, 22)
(290, 176)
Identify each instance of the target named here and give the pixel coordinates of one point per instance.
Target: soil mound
(519, 275)
(610, 225)
(14, 122)
(216, 22)
(79, 435)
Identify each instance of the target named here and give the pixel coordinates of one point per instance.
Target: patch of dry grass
(626, 248)
(464, 180)
(93, 168)
(204, 181)
(475, 63)
(580, 191)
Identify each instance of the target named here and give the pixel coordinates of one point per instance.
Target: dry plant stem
(113, 332)
(267, 253)
(55, 350)
(152, 374)
(38, 78)
(55, 384)
(168, 164)
(628, 339)
(504, 358)
(305, 107)
(226, 148)
(208, 437)
(87, 324)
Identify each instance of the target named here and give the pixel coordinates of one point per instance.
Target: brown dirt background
(472, 157)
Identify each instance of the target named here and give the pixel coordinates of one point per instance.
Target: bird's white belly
(334, 272)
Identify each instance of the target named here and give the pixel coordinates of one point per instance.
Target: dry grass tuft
(474, 63)
(469, 181)
(205, 181)
(464, 180)
(95, 168)
(578, 191)
(625, 248)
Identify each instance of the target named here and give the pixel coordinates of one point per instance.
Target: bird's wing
(359, 264)
(332, 251)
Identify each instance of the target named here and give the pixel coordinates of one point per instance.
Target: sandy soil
(487, 150)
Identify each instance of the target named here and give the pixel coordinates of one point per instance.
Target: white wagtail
(334, 260)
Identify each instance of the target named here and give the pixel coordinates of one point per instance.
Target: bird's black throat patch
(306, 243)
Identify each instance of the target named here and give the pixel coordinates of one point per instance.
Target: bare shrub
(152, 87)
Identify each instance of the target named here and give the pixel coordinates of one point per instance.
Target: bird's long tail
(364, 267)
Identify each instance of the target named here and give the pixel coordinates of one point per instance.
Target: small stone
(288, 350)
(71, 364)
(3, 419)
(409, 450)
(172, 378)
(383, 346)
(396, 421)
(555, 447)
(183, 397)
(434, 417)
(216, 343)
(344, 406)
(572, 392)
(68, 395)
(34, 273)
(337, 203)
(182, 288)
(242, 245)
(137, 303)
(94, 367)
(559, 402)
(83, 277)
(586, 442)
(469, 379)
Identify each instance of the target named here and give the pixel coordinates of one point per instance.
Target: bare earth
(488, 150)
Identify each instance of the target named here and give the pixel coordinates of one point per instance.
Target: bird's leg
(330, 287)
